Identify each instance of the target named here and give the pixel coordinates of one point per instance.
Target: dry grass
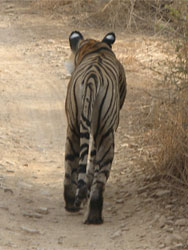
(122, 14)
(168, 122)
(165, 116)
(171, 160)
(154, 16)
(48, 4)
(64, 6)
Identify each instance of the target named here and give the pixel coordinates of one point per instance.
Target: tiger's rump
(108, 91)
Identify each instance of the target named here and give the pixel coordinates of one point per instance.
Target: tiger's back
(98, 70)
(95, 94)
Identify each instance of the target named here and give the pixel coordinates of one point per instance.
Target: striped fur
(95, 95)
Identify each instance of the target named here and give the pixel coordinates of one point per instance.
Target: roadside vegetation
(170, 119)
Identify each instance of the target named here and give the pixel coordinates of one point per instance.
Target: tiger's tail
(89, 96)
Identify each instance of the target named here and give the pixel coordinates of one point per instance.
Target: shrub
(171, 119)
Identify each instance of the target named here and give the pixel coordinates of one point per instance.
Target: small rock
(161, 193)
(8, 190)
(11, 244)
(162, 246)
(124, 227)
(10, 7)
(168, 240)
(142, 235)
(24, 185)
(179, 245)
(34, 177)
(120, 201)
(142, 190)
(51, 41)
(169, 229)
(148, 200)
(138, 208)
(133, 145)
(116, 234)
(174, 201)
(124, 145)
(173, 238)
(67, 76)
(60, 240)
(32, 215)
(127, 195)
(10, 163)
(181, 222)
(169, 206)
(4, 207)
(177, 237)
(42, 210)
(156, 218)
(2, 166)
(162, 221)
(170, 222)
(30, 230)
(37, 44)
(10, 171)
(45, 192)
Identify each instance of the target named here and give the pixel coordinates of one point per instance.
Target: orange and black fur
(95, 95)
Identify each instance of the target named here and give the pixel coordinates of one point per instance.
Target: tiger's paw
(93, 219)
(72, 209)
(69, 196)
(95, 208)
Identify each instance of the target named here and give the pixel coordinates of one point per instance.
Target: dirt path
(32, 136)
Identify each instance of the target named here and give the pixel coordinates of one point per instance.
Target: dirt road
(33, 82)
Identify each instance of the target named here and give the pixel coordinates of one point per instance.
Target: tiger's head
(80, 47)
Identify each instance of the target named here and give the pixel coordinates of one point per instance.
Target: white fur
(74, 35)
(69, 65)
(110, 37)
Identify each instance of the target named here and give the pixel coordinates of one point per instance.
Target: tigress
(95, 95)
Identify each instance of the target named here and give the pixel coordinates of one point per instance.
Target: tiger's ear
(109, 39)
(74, 40)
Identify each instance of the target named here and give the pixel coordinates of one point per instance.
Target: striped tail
(90, 87)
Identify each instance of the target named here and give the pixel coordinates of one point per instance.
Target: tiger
(95, 94)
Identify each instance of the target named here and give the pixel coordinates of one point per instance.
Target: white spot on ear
(110, 37)
(75, 35)
(69, 65)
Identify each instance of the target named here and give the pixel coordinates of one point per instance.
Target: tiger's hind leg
(72, 149)
(84, 187)
(104, 158)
